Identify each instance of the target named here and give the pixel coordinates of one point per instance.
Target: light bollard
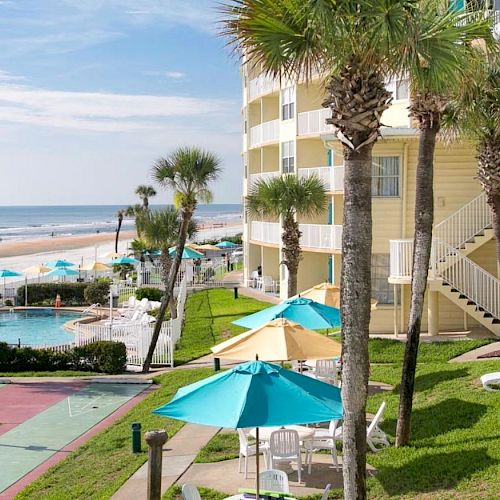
(136, 437)
(155, 440)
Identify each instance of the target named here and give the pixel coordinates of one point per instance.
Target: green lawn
(208, 316)
(99, 467)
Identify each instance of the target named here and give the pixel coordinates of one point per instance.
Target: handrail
(91, 308)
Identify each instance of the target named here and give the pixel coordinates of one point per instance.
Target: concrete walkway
(178, 455)
(474, 354)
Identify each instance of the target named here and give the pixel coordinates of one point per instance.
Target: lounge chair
(491, 381)
(190, 492)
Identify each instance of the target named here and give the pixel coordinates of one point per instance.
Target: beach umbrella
(328, 294)
(37, 269)
(124, 260)
(208, 246)
(113, 255)
(96, 266)
(59, 263)
(255, 394)
(153, 253)
(307, 312)
(187, 253)
(278, 340)
(62, 271)
(226, 244)
(7, 273)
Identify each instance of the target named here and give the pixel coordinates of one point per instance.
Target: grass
(57, 373)
(99, 467)
(209, 314)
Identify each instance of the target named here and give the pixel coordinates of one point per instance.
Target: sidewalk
(178, 455)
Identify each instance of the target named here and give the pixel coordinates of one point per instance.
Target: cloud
(102, 111)
(175, 75)
(5, 76)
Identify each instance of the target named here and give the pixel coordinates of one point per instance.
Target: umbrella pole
(257, 485)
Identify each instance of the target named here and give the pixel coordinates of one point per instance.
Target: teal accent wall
(330, 212)
(330, 269)
(329, 157)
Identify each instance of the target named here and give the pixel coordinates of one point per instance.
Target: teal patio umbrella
(7, 273)
(307, 312)
(124, 260)
(62, 271)
(255, 394)
(59, 263)
(187, 253)
(226, 244)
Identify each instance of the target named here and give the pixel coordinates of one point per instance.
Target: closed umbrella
(255, 394)
(187, 253)
(328, 294)
(225, 244)
(308, 313)
(59, 263)
(278, 340)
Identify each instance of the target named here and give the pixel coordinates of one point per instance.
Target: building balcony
(261, 176)
(401, 260)
(265, 133)
(324, 237)
(313, 122)
(262, 85)
(332, 177)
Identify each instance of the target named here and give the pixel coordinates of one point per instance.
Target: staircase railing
(465, 223)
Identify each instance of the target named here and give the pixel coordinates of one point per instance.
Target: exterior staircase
(451, 272)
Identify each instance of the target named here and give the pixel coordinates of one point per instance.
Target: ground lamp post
(156, 440)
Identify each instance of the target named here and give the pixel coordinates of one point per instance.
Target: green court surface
(32, 442)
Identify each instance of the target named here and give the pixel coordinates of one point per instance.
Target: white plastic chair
(249, 450)
(284, 444)
(190, 492)
(326, 439)
(324, 496)
(489, 380)
(266, 283)
(274, 480)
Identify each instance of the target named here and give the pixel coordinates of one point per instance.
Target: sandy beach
(83, 249)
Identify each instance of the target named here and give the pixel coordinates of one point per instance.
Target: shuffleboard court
(36, 439)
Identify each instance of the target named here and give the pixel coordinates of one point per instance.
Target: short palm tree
(287, 197)
(188, 171)
(145, 192)
(119, 214)
(435, 68)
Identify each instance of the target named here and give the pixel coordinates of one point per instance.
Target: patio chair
(249, 450)
(489, 380)
(274, 480)
(190, 492)
(326, 439)
(266, 283)
(325, 370)
(324, 496)
(284, 445)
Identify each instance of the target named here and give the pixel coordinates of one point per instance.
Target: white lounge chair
(326, 439)
(190, 492)
(490, 381)
(274, 480)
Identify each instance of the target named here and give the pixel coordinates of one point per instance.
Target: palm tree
(145, 192)
(188, 172)
(287, 197)
(475, 113)
(353, 45)
(120, 215)
(435, 67)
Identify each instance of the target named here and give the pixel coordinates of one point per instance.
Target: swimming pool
(36, 326)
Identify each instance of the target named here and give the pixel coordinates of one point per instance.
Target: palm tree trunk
(291, 251)
(355, 315)
(424, 217)
(169, 292)
(494, 202)
(166, 264)
(118, 234)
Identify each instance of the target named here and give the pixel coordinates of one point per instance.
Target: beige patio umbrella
(328, 294)
(96, 266)
(278, 340)
(208, 246)
(37, 269)
(113, 255)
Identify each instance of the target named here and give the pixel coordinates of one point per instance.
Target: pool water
(36, 327)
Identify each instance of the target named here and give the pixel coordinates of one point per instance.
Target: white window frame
(392, 176)
(288, 103)
(395, 87)
(288, 157)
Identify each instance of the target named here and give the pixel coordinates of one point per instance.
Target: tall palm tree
(119, 214)
(188, 171)
(474, 113)
(145, 192)
(351, 43)
(287, 197)
(435, 67)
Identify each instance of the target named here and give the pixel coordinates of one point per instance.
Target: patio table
(305, 433)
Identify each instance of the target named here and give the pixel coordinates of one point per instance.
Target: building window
(385, 176)
(382, 290)
(287, 103)
(287, 157)
(399, 88)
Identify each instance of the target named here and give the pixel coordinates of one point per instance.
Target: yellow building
(285, 133)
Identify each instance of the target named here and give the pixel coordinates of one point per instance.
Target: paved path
(474, 354)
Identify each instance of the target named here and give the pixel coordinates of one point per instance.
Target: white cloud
(5, 76)
(175, 75)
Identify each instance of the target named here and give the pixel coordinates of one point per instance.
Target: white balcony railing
(332, 177)
(265, 133)
(262, 176)
(262, 85)
(313, 122)
(321, 236)
(265, 232)
(401, 258)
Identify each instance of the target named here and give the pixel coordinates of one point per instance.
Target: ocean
(30, 222)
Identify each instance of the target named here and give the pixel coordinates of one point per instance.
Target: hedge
(72, 294)
(151, 293)
(102, 356)
(97, 292)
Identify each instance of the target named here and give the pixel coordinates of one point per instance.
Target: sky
(92, 92)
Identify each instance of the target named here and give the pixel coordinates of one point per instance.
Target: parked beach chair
(284, 445)
(190, 492)
(274, 480)
(326, 439)
(248, 450)
(491, 381)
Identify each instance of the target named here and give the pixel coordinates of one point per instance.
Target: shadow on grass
(430, 472)
(430, 380)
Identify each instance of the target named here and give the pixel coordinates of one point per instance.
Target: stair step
(496, 321)
(487, 315)
(471, 303)
(462, 296)
(454, 290)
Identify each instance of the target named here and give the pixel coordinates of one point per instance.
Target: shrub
(103, 356)
(8, 303)
(72, 294)
(97, 293)
(148, 292)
